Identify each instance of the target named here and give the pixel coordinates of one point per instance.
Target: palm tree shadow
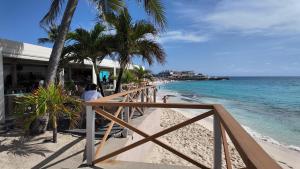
(22, 147)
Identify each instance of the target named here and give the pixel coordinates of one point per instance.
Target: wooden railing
(139, 99)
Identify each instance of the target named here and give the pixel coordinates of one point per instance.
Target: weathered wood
(90, 135)
(147, 95)
(139, 110)
(152, 138)
(225, 147)
(154, 95)
(158, 105)
(126, 119)
(217, 144)
(101, 145)
(107, 98)
(252, 154)
(142, 99)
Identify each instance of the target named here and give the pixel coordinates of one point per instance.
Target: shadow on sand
(43, 164)
(22, 147)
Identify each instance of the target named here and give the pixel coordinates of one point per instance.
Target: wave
(269, 139)
(194, 98)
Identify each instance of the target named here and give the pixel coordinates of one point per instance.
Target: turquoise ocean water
(268, 107)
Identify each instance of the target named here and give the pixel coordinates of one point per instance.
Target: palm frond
(142, 28)
(155, 8)
(106, 7)
(150, 51)
(52, 13)
(51, 100)
(44, 40)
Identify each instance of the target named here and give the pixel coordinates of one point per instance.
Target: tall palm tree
(52, 35)
(91, 45)
(131, 39)
(153, 8)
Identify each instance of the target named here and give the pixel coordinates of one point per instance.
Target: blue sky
(215, 37)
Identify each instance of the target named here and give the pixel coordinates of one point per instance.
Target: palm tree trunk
(118, 85)
(98, 78)
(59, 42)
(54, 125)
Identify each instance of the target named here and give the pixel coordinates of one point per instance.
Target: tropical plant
(51, 102)
(128, 77)
(142, 74)
(91, 45)
(152, 7)
(131, 40)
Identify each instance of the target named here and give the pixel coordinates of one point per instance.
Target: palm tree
(141, 74)
(131, 39)
(152, 7)
(52, 34)
(91, 45)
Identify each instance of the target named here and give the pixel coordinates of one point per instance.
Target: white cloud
(249, 16)
(180, 36)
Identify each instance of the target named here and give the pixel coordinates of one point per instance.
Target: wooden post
(126, 119)
(217, 144)
(142, 99)
(154, 94)
(147, 95)
(90, 135)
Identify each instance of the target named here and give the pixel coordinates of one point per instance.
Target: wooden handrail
(225, 146)
(110, 126)
(110, 97)
(157, 105)
(153, 139)
(252, 154)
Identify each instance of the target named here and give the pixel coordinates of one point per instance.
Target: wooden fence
(139, 99)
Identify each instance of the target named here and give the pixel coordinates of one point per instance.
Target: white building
(23, 63)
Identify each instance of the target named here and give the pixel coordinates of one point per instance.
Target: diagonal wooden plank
(101, 145)
(124, 124)
(225, 146)
(252, 154)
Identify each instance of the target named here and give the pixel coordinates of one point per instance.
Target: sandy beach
(196, 140)
(18, 152)
(193, 140)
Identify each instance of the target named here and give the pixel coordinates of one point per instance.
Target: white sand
(17, 152)
(287, 158)
(193, 140)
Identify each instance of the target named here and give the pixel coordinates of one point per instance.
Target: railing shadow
(58, 153)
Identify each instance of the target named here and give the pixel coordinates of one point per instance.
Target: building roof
(14, 49)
